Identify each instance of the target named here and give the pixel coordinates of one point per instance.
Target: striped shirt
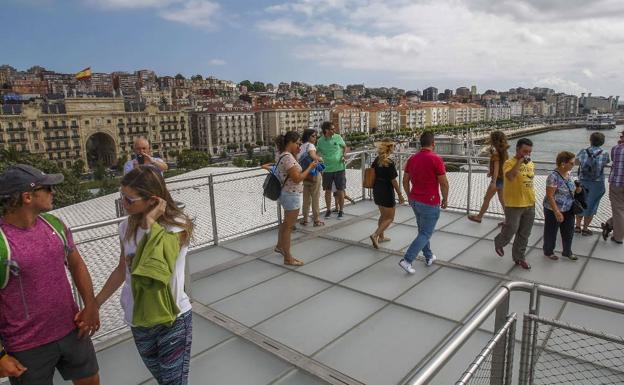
(602, 159)
(617, 169)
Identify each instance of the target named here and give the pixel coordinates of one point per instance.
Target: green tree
(197, 77)
(99, 172)
(69, 192)
(239, 161)
(193, 160)
(78, 168)
(259, 87)
(180, 77)
(247, 84)
(250, 152)
(224, 154)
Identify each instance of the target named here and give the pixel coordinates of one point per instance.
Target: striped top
(616, 177)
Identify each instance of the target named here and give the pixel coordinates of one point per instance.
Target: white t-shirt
(177, 278)
(305, 148)
(129, 166)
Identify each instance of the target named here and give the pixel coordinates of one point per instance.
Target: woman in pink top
(290, 174)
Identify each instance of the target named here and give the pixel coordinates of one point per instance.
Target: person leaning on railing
(154, 241)
(558, 207)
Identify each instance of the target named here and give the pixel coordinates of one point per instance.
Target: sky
(572, 46)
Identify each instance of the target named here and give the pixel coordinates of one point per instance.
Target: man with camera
(519, 198)
(143, 155)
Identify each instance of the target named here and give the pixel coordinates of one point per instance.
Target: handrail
(445, 353)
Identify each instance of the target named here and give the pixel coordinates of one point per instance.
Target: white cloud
(217, 62)
(198, 13)
(493, 42)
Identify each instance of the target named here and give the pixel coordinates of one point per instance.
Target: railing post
(510, 345)
(400, 171)
(213, 210)
(525, 349)
(497, 371)
(468, 193)
(363, 167)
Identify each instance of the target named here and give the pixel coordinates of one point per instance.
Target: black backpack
(272, 187)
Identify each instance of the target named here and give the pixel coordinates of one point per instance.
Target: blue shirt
(602, 160)
(564, 195)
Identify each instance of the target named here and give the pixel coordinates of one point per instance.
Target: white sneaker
(406, 266)
(429, 261)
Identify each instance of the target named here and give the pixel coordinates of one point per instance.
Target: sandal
(293, 262)
(318, 223)
(383, 239)
(577, 229)
(586, 232)
(554, 257)
(303, 222)
(278, 250)
(374, 240)
(474, 218)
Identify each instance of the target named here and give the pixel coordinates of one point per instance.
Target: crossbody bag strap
(277, 165)
(566, 183)
(5, 258)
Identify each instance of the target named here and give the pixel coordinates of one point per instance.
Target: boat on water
(600, 122)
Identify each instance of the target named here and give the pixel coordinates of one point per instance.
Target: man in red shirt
(426, 174)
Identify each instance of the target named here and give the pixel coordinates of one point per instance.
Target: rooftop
(350, 314)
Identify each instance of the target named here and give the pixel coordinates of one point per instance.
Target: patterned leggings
(166, 351)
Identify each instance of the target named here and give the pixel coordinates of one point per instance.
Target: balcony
(349, 312)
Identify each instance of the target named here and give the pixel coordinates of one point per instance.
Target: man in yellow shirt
(519, 197)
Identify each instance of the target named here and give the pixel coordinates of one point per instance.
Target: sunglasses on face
(128, 200)
(42, 188)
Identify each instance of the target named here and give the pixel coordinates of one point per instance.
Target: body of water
(547, 145)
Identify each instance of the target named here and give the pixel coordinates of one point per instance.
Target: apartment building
(412, 117)
(350, 119)
(218, 126)
(494, 112)
(278, 118)
(436, 114)
(92, 129)
(459, 113)
(383, 118)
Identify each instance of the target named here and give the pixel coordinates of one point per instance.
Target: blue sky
(571, 45)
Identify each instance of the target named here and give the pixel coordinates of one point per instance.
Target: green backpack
(7, 266)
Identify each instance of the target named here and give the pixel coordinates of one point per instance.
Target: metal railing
(499, 304)
(489, 368)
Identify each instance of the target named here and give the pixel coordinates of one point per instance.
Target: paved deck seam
(291, 356)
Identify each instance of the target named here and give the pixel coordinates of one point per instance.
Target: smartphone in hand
(140, 159)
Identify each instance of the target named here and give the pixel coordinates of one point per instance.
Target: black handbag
(272, 187)
(578, 205)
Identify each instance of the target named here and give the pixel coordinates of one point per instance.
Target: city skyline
(409, 45)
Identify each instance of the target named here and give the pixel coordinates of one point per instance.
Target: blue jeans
(426, 219)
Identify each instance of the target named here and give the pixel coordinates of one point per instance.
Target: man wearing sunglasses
(40, 327)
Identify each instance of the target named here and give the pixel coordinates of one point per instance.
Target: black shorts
(338, 178)
(73, 357)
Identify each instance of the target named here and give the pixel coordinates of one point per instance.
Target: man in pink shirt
(40, 327)
(426, 174)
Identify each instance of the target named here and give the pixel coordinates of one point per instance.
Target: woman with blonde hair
(154, 242)
(498, 156)
(383, 190)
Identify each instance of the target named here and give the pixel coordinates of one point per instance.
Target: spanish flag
(85, 74)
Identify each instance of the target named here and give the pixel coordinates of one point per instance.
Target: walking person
(41, 328)
(154, 242)
(616, 195)
(519, 197)
(332, 148)
(558, 207)
(383, 190)
(311, 184)
(591, 161)
(498, 157)
(425, 176)
(289, 172)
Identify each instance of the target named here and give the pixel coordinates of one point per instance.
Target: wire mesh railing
(568, 354)
(489, 368)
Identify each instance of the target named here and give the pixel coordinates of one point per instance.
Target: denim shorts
(499, 183)
(290, 200)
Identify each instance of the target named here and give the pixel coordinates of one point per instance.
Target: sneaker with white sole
(406, 266)
(429, 261)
